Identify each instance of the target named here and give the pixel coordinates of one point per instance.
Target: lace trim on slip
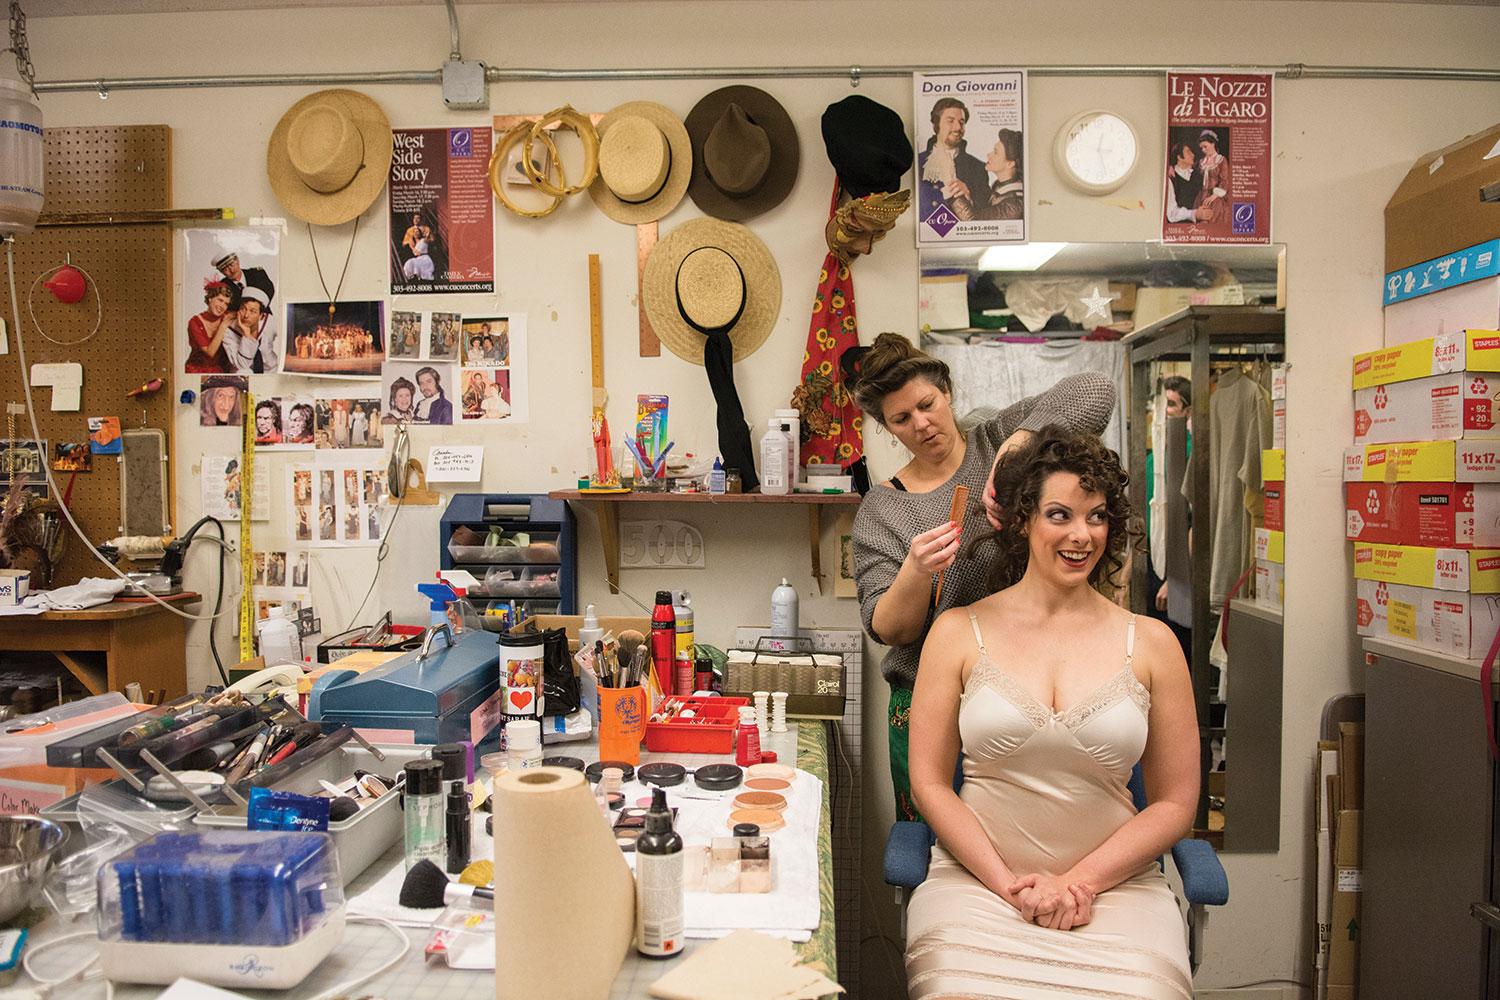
(1035, 984)
(1043, 936)
(987, 674)
(919, 950)
(1125, 684)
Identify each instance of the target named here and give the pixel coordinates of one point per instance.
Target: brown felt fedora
(329, 156)
(745, 153)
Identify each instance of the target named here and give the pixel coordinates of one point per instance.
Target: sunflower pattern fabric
(831, 423)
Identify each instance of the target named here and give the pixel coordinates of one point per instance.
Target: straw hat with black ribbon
(712, 293)
(745, 153)
(329, 156)
(645, 163)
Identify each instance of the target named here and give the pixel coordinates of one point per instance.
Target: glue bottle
(659, 899)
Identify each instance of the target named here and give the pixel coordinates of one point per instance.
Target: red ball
(68, 284)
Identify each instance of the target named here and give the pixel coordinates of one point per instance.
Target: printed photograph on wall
(444, 336)
(442, 214)
(298, 421)
(19, 457)
(406, 335)
(229, 281)
(486, 393)
(1217, 186)
(971, 157)
(348, 342)
(72, 456)
(486, 341)
(221, 401)
(344, 422)
(417, 393)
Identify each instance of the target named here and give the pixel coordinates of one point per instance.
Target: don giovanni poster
(971, 157)
(1217, 186)
(442, 213)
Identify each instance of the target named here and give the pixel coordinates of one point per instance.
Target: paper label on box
(1350, 880)
(394, 737)
(1460, 267)
(1401, 619)
(29, 796)
(1270, 545)
(484, 719)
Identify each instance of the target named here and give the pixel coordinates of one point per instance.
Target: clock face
(1100, 149)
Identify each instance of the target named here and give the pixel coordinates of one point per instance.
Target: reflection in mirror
(1193, 337)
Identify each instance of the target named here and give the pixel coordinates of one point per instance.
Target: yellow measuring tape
(247, 489)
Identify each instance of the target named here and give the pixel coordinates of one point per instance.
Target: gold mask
(859, 223)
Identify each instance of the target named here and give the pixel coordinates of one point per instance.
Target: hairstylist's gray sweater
(890, 518)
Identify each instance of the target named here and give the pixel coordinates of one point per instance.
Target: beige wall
(1341, 148)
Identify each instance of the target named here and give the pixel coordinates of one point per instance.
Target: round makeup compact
(572, 763)
(768, 784)
(769, 820)
(718, 777)
(663, 775)
(760, 800)
(595, 771)
(781, 771)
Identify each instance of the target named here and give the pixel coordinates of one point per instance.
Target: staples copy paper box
(1424, 462)
(1273, 465)
(1274, 495)
(1438, 515)
(1270, 545)
(1475, 571)
(1461, 625)
(1476, 350)
(1438, 408)
(1269, 584)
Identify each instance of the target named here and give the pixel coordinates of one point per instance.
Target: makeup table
(366, 945)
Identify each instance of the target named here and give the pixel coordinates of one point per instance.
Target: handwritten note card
(455, 463)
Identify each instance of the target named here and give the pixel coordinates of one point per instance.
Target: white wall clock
(1095, 151)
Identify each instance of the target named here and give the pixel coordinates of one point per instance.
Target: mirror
(1193, 337)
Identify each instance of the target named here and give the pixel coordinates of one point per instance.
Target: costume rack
(1201, 336)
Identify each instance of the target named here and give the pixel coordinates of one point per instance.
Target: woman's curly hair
(1018, 492)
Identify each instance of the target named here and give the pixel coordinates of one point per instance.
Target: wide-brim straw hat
(666, 298)
(645, 163)
(329, 156)
(745, 153)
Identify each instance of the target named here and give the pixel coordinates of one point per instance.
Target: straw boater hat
(745, 153)
(645, 163)
(329, 156)
(708, 274)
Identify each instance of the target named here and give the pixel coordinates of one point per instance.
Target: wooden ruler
(247, 489)
(596, 330)
(645, 242)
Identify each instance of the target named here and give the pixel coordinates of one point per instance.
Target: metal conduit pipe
(453, 49)
(497, 74)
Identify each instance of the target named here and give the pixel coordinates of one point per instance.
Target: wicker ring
(580, 125)
(497, 166)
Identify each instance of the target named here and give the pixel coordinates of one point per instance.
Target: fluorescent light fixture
(1018, 256)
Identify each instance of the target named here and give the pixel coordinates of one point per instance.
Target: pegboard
(99, 169)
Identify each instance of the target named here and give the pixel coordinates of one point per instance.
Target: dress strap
(978, 637)
(1129, 641)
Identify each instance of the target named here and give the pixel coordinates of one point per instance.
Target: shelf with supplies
(541, 577)
(606, 506)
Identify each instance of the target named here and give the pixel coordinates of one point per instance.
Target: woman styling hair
(1052, 694)
(903, 536)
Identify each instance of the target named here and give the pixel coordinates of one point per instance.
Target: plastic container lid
(424, 777)
(454, 758)
(662, 773)
(746, 830)
(523, 734)
(663, 597)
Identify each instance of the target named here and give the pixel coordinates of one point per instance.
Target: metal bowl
(28, 846)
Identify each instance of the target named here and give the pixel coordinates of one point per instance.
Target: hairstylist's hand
(991, 508)
(935, 550)
(1161, 597)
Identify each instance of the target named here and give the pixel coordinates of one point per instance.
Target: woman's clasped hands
(1052, 901)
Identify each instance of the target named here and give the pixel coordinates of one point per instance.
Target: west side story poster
(1217, 186)
(971, 153)
(442, 214)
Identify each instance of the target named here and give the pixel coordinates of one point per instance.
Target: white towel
(86, 593)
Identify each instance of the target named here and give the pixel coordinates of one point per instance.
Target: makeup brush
(427, 888)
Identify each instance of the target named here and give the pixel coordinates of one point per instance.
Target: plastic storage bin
(710, 730)
(230, 908)
(542, 578)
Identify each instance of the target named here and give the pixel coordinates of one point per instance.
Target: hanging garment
(989, 377)
(1156, 504)
(1240, 425)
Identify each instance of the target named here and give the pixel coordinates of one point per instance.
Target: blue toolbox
(444, 692)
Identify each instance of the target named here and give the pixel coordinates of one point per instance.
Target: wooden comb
(956, 515)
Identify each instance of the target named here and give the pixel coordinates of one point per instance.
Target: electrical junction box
(464, 86)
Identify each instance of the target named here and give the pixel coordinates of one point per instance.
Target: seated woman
(1044, 880)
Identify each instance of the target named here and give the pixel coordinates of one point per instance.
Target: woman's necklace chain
(334, 298)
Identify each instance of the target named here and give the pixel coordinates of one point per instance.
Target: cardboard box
(1436, 207)
(1278, 423)
(1473, 571)
(1273, 465)
(1278, 380)
(1270, 584)
(1476, 350)
(1348, 888)
(1438, 515)
(1474, 303)
(1461, 625)
(1152, 304)
(1274, 496)
(15, 584)
(1423, 462)
(1270, 545)
(1438, 408)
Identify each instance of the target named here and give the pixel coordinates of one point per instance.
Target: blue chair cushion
(1203, 878)
(907, 852)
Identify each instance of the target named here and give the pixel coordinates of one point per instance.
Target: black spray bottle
(658, 883)
(457, 816)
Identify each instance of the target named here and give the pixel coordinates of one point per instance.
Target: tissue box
(15, 584)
